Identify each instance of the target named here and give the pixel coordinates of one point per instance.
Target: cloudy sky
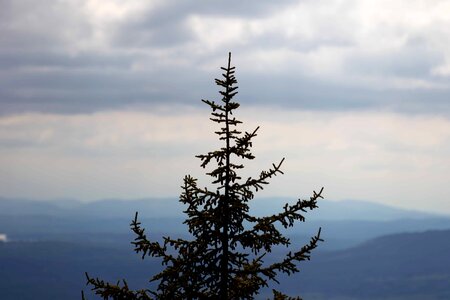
(101, 98)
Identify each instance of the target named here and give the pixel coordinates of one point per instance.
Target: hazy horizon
(259, 204)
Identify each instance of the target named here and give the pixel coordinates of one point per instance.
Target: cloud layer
(84, 56)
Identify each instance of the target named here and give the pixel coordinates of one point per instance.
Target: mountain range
(400, 266)
(370, 251)
(171, 207)
(343, 223)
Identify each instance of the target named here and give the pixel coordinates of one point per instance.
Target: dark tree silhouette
(226, 257)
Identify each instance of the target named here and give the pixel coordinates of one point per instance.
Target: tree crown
(226, 257)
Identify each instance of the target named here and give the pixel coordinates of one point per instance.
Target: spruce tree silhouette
(225, 258)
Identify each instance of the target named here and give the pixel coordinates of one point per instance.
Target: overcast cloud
(101, 98)
(84, 56)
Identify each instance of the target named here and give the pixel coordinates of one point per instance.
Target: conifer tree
(226, 257)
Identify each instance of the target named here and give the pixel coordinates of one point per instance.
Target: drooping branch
(290, 213)
(257, 183)
(288, 265)
(115, 291)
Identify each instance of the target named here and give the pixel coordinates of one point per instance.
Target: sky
(101, 99)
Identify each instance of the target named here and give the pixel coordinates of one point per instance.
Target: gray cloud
(60, 58)
(166, 23)
(20, 59)
(25, 25)
(76, 89)
(415, 60)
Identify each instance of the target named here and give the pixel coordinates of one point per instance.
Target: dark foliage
(226, 257)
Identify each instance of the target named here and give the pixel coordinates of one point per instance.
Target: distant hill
(109, 208)
(55, 270)
(401, 266)
(355, 210)
(342, 222)
(23, 207)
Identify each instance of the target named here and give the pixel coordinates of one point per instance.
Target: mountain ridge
(171, 207)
